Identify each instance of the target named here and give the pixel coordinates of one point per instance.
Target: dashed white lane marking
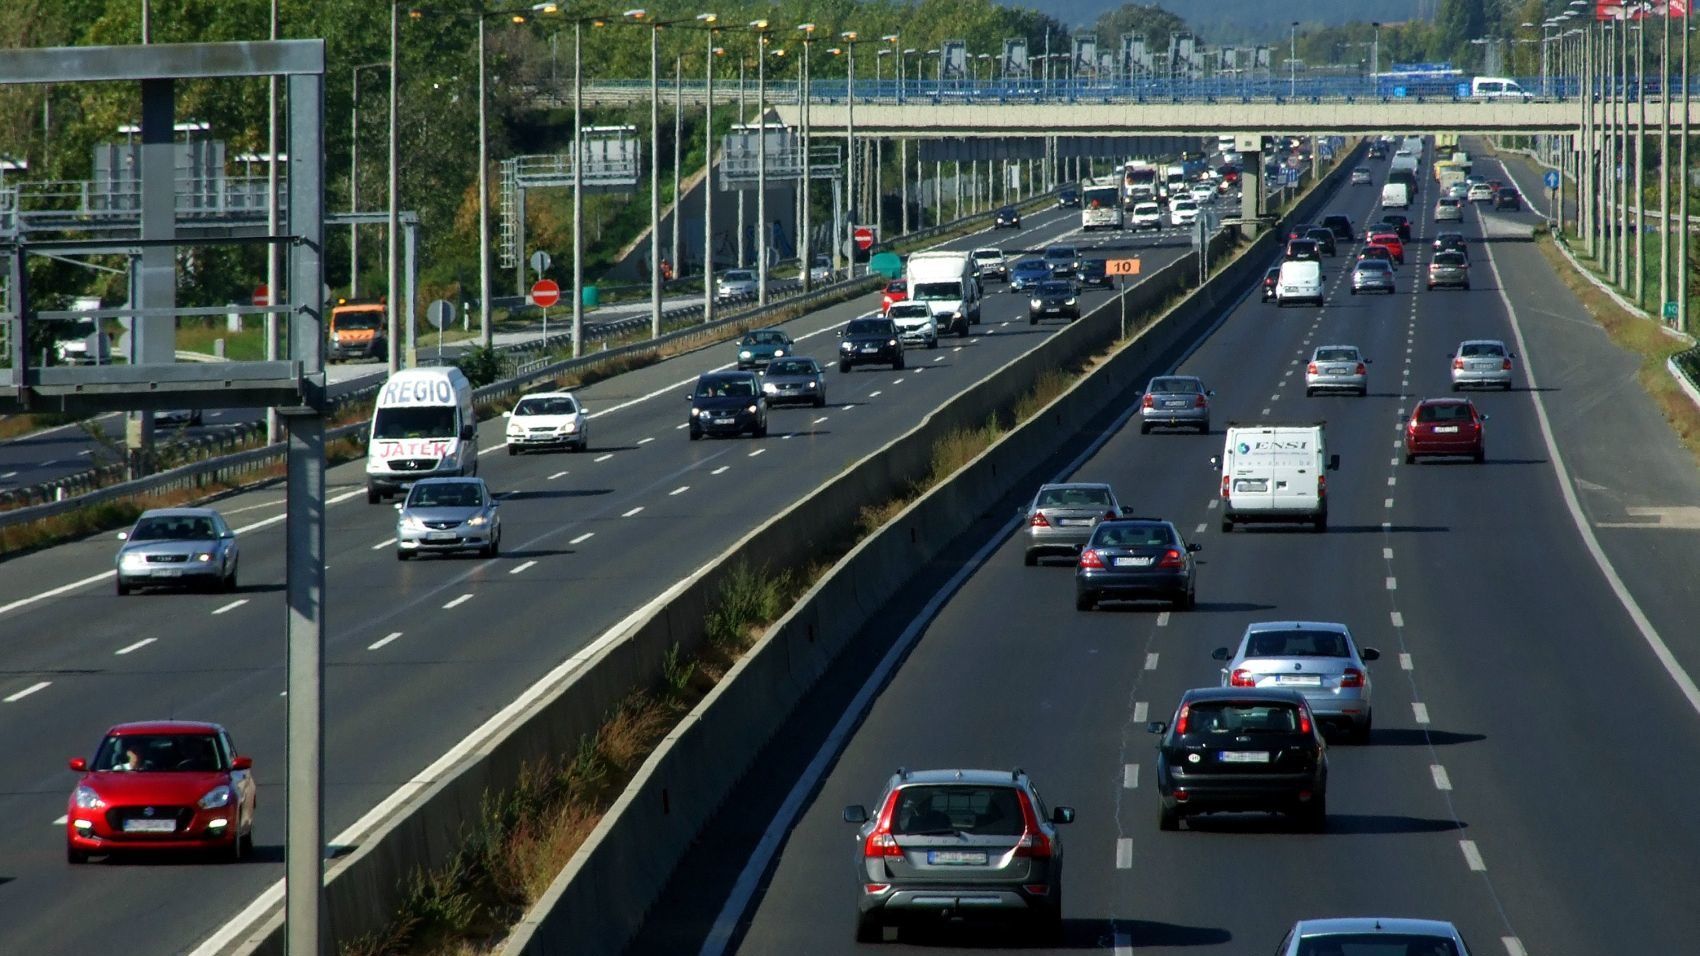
(20, 695)
(681, 426)
(957, 349)
(1387, 503)
(1130, 776)
(128, 648)
(1392, 584)
(1419, 712)
(1391, 481)
(1398, 619)
(1387, 554)
(1151, 661)
(875, 393)
(528, 564)
(1124, 853)
(380, 642)
(679, 490)
(457, 602)
(938, 358)
(383, 544)
(645, 441)
(1472, 856)
(632, 512)
(1213, 503)
(1275, 397)
(720, 469)
(583, 538)
(897, 381)
(558, 474)
(1441, 780)
(819, 420)
(233, 605)
(603, 457)
(1163, 619)
(1513, 946)
(1394, 460)
(1140, 708)
(1200, 529)
(1124, 944)
(1405, 662)
(757, 452)
(1399, 424)
(1398, 444)
(85, 453)
(1266, 410)
(61, 820)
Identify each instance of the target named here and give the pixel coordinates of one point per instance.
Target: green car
(762, 346)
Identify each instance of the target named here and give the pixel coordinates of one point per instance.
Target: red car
(162, 785)
(895, 291)
(1445, 426)
(1391, 241)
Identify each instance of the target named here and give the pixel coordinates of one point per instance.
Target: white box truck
(946, 281)
(1275, 472)
(423, 426)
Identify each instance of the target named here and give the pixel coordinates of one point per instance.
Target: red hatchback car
(1445, 426)
(162, 785)
(1394, 244)
(896, 290)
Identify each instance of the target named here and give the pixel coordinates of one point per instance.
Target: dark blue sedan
(1028, 273)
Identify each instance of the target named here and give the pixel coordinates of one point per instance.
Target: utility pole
(393, 236)
(486, 331)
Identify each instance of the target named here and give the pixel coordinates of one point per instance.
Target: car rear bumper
(1071, 538)
(1442, 446)
(1337, 383)
(922, 901)
(1190, 415)
(1255, 515)
(1130, 583)
(1213, 792)
(1465, 377)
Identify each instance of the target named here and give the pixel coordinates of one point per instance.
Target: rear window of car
(1374, 265)
(1444, 413)
(1074, 498)
(1233, 718)
(1133, 536)
(1508, 193)
(1449, 203)
(1306, 643)
(868, 327)
(1482, 350)
(1337, 355)
(1449, 259)
(897, 285)
(924, 810)
(1376, 944)
(1187, 386)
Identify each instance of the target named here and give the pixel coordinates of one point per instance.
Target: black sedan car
(1136, 559)
(1242, 749)
(1095, 272)
(727, 403)
(1507, 198)
(1341, 226)
(1324, 239)
(1009, 217)
(870, 340)
(1053, 299)
(1069, 197)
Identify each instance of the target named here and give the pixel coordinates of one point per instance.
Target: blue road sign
(1552, 179)
(1670, 310)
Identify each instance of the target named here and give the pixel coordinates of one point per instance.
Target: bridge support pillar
(1251, 189)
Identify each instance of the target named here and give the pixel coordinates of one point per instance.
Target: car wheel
(962, 331)
(1182, 601)
(897, 366)
(1227, 526)
(1314, 815)
(844, 366)
(75, 856)
(230, 579)
(1085, 602)
(1168, 819)
(1353, 291)
(1047, 925)
(760, 431)
(1410, 459)
(1321, 523)
(495, 546)
(1456, 387)
(372, 496)
(1032, 319)
(403, 555)
(1360, 733)
(1310, 392)
(247, 841)
(933, 343)
(121, 587)
(869, 929)
(1466, 287)
(1480, 455)
(820, 401)
(1030, 558)
(1145, 428)
(695, 435)
(234, 853)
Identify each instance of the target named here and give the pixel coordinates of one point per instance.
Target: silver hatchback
(1060, 518)
(1179, 401)
(1481, 363)
(1373, 275)
(1316, 658)
(448, 515)
(1337, 368)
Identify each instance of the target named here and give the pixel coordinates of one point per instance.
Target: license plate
(1244, 756)
(1074, 521)
(1339, 370)
(1482, 366)
(1175, 404)
(1299, 680)
(1252, 484)
(168, 573)
(956, 857)
(440, 536)
(870, 348)
(150, 826)
(1132, 562)
(723, 421)
(1445, 429)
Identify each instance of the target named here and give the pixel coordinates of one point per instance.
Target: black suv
(727, 403)
(1239, 749)
(950, 844)
(1341, 226)
(1300, 250)
(870, 340)
(1053, 299)
(1324, 239)
(1507, 198)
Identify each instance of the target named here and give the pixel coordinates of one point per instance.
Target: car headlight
(891, 341)
(778, 353)
(219, 796)
(847, 346)
(1069, 302)
(86, 799)
(769, 387)
(695, 411)
(750, 409)
(956, 315)
(1034, 303)
(477, 521)
(814, 384)
(204, 557)
(411, 523)
(744, 354)
(132, 559)
(570, 425)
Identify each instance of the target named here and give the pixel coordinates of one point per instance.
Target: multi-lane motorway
(1535, 744)
(422, 653)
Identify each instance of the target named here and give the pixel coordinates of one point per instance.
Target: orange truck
(358, 330)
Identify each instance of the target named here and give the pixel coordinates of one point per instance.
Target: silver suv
(949, 844)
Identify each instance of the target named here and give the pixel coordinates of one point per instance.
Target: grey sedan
(1060, 518)
(177, 546)
(1373, 275)
(1482, 363)
(1176, 401)
(448, 515)
(794, 380)
(1373, 934)
(1337, 368)
(1318, 659)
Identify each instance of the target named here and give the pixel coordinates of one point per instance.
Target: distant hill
(1242, 21)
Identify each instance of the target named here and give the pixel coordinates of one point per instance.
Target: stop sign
(864, 237)
(262, 294)
(545, 293)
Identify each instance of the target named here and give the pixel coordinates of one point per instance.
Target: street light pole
(578, 188)
(708, 172)
(486, 332)
(1375, 51)
(805, 236)
(1682, 202)
(678, 157)
(1640, 164)
(760, 26)
(1664, 168)
(393, 236)
(1293, 60)
(849, 38)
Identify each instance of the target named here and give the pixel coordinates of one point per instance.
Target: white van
(1300, 281)
(423, 427)
(1395, 196)
(1498, 88)
(1275, 473)
(946, 281)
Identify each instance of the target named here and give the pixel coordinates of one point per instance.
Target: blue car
(1028, 273)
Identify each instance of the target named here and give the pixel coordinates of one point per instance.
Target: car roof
(1139, 523)
(1074, 484)
(1497, 342)
(1448, 400)
(988, 249)
(1269, 694)
(1189, 378)
(164, 727)
(905, 778)
(1374, 924)
(178, 513)
(454, 480)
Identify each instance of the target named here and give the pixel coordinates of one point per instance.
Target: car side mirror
(1369, 361)
(242, 763)
(1157, 727)
(123, 536)
(1370, 654)
(688, 398)
(1219, 654)
(1484, 418)
(1128, 511)
(79, 764)
(840, 333)
(1333, 462)
(1195, 547)
(507, 414)
(469, 432)
(1062, 814)
(855, 813)
(1210, 392)
(584, 409)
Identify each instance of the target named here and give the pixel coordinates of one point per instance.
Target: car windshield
(1337, 355)
(1145, 209)
(726, 388)
(1007, 211)
(1481, 350)
(1173, 386)
(1055, 288)
(938, 290)
(1230, 718)
(414, 421)
(738, 275)
(1059, 252)
(910, 310)
(1508, 193)
(1376, 944)
(551, 405)
(1029, 265)
(173, 528)
(1075, 497)
(449, 494)
(867, 327)
(764, 338)
(1374, 265)
(192, 753)
(949, 810)
(987, 254)
(1305, 643)
(792, 367)
(1133, 536)
(363, 320)
(1447, 412)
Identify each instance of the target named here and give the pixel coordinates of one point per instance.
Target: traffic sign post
(1670, 311)
(440, 313)
(540, 262)
(544, 293)
(1551, 179)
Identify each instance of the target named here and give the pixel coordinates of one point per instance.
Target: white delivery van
(946, 282)
(1275, 473)
(1497, 88)
(423, 427)
(1300, 281)
(1395, 196)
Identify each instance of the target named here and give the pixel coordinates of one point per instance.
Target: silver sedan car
(1481, 363)
(1060, 518)
(1178, 401)
(446, 515)
(1373, 275)
(1316, 658)
(191, 547)
(1337, 368)
(796, 380)
(1373, 934)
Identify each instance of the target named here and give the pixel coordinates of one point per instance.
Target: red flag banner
(1634, 9)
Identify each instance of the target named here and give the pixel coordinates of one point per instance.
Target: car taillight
(1506, 365)
(1361, 369)
(1180, 720)
(1310, 369)
(1148, 401)
(1457, 363)
(1352, 678)
(880, 843)
(1171, 559)
(1034, 844)
(1039, 520)
(1224, 486)
(1199, 402)
(1304, 719)
(1091, 559)
(1322, 486)
(1242, 678)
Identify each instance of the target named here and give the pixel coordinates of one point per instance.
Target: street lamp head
(806, 28)
(848, 36)
(550, 8)
(707, 17)
(882, 52)
(719, 51)
(890, 38)
(910, 52)
(518, 18)
(779, 52)
(758, 24)
(635, 14)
